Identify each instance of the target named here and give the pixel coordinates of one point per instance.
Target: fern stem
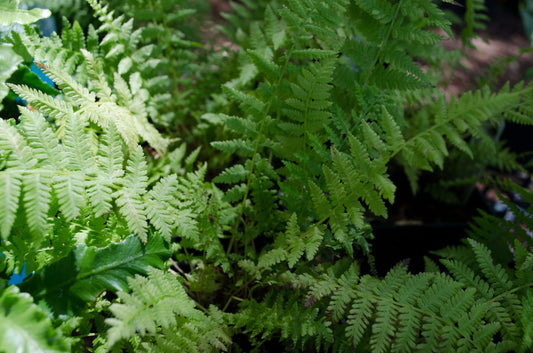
(383, 41)
(232, 297)
(256, 149)
(436, 125)
(510, 291)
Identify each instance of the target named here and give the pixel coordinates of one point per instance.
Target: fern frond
(41, 139)
(475, 17)
(37, 194)
(14, 147)
(129, 197)
(10, 187)
(160, 206)
(495, 273)
(25, 327)
(75, 143)
(74, 92)
(69, 190)
(98, 78)
(55, 108)
(158, 300)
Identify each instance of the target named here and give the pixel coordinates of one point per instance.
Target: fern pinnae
(378, 16)
(37, 196)
(41, 139)
(147, 308)
(465, 275)
(10, 187)
(55, 108)
(69, 190)
(13, 145)
(110, 155)
(74, 91)
(97, 75)
(359, 318)
(129, 197)
(75, 143)
(494, 272)
(160, 208)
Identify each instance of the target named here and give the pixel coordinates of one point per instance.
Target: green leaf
(155, 302)
(160, 206)
(24, 327)
(129, 198)
(37, 195)
(87, 271)
(11, 13)
(8, 65)
(9, 201)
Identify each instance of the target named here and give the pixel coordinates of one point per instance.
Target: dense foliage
(181, 190)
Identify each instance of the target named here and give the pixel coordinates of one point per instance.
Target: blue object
(17, 278)
(47, 26)
(41, 75)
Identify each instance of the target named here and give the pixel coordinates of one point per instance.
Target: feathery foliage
(134, 244)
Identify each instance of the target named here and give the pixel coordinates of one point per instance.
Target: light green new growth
(299, 129)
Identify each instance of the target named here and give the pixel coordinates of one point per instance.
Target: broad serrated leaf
(12, 14)
(87, 271)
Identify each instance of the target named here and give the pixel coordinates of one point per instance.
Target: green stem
(255, 153)
(383, 41)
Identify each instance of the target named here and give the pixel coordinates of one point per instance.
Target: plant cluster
(169, 194)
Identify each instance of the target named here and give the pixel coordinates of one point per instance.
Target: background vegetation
(173, 185)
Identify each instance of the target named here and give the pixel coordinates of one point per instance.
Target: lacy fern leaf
(25, 327)
(156, 302)
(129, 198)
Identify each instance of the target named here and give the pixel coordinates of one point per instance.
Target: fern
(250, 232)
(159, 302)
(475, 18)
(25, 327)
(404, 312)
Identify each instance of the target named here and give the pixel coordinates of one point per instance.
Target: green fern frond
(69, 190)
(14, 147)
(475, 18)
(160, 207)
(37, 196)
(57, 109)
(74, 92)
(129, 197)
(10, 187)
(75, 143)
(156, 302)
(199, 336)
(25, 327)
(41, 139)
